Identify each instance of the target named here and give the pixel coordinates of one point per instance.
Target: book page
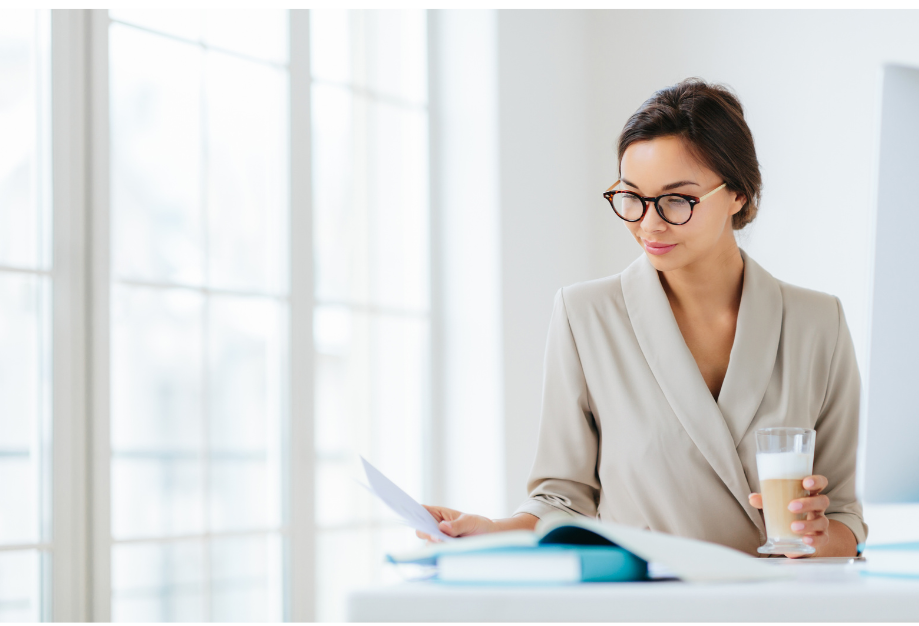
(689, 559)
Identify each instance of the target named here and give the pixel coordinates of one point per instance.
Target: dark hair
(710, 119)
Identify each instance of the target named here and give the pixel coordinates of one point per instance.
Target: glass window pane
(25, 396)
(155, 157)
(247, 371)
(159, 583)
(373, 403)
(156, 419)
(20, 585)
(330, 45)
(398, 206)
(259, 33)
(371, 214)
(24, 127)
(247, 174)
(186, 24)
(396, 54)
(157, 368)
(384, 52)
(157, 494)
(340, 236)
(246, 575)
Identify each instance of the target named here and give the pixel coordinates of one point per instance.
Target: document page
(401, 503)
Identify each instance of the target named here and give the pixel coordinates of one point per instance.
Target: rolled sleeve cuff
(540, 508)
(854, 523)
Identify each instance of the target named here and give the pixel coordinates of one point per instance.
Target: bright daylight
(429, 315)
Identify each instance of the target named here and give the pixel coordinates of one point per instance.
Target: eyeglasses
(674, 208)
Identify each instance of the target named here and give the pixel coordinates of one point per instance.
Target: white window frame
(81, 585)
(299, 553)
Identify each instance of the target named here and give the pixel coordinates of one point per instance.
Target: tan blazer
(630, 432)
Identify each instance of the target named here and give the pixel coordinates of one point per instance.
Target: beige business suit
(630, 432)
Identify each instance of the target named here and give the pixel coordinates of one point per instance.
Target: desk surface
(841, 595)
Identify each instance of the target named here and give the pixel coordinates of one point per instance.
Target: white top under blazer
(629, 431)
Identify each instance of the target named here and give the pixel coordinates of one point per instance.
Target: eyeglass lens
(630, 207)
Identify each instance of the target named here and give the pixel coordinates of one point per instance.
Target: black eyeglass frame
(609, 194)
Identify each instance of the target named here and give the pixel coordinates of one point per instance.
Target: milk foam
(778, 465)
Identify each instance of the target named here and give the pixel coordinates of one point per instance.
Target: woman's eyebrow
(666, 187)
(679, 184)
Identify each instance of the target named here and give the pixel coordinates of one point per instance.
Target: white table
(837, 593)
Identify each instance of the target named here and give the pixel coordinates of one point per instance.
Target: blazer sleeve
(564, 474)
(837, 433)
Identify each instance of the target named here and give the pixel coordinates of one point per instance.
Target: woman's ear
(739, 201)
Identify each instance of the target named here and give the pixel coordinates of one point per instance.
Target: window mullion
(99, 273)
(300, 471)
(70, 474)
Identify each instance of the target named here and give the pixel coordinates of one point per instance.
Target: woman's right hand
(456, 524)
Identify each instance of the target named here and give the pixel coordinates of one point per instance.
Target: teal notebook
(566, 553)
(622, 553)
(542, 564)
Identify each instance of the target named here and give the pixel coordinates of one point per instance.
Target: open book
(689, 559)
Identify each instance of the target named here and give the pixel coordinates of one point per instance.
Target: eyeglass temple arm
(712, 191)
(613, 185)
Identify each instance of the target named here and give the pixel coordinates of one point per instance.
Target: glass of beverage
(784, 458)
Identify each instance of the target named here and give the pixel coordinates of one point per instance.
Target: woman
(656, 378)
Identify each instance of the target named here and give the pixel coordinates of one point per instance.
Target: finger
(818, 540)
(434, 511)
(462, 525)
(815, 484)
(422, 535)
(811, 503)
(819, 525)
(756, 500)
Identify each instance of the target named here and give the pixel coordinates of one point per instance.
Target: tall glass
(784, 458)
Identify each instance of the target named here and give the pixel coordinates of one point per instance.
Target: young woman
(656, 378)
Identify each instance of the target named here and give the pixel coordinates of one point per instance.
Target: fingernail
(797, 526)
(795, 506)
(808, 540)
(446, 524)
(809, 483)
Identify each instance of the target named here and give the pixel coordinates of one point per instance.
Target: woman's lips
(657, 248)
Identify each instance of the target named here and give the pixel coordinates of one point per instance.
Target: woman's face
(651, 168)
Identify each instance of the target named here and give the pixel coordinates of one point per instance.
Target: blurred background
(239, 248)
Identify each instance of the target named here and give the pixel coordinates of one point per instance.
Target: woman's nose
(652, 222)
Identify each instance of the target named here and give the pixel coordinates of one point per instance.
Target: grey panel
(892, 444)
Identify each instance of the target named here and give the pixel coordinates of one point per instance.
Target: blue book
(567, 553)
(542, 564)
(566, 548)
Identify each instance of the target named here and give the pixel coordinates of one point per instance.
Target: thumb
(459, 526)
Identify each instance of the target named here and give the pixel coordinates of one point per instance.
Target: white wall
(809, 82)
(556, 228)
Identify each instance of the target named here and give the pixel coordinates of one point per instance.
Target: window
(161, 345)
(198, 111)
(26, 542)
(372, 314)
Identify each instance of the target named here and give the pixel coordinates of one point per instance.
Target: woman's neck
(711, 284)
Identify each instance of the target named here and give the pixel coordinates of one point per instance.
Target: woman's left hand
(816, 528)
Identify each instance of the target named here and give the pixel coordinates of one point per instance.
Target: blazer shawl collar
(716, 428)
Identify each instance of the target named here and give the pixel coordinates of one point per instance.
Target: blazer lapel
(680, 380)
(756, 344)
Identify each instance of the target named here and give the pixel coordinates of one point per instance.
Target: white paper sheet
(401, 503)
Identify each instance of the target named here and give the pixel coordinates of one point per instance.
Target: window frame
(297, 422)
(81, 472)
